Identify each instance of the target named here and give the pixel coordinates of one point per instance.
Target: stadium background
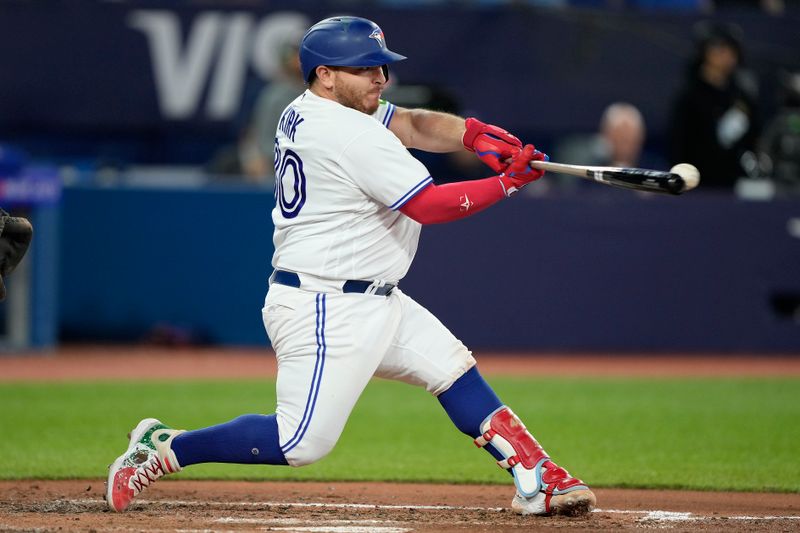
(137, 245)
(124, 109)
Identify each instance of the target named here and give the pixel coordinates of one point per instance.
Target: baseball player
(350, 203)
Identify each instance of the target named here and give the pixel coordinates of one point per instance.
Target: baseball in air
(689, 173)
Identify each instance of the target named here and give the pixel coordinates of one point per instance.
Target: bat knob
(675, 184)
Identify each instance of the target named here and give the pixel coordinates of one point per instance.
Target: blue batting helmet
(344, 42)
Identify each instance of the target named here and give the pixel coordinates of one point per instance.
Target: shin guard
(534, 472)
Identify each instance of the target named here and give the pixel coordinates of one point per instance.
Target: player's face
(359, 87)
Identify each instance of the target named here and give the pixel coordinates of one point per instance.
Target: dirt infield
(369, 507)
(374, 507)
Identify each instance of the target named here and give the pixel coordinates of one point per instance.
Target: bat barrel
(640, 179)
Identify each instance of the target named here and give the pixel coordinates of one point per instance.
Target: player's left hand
(492, 144)
(15, 236)
(519, 173)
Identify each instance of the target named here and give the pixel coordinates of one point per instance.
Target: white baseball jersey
(340, 178)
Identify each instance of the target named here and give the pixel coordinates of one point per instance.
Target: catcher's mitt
(15, 236)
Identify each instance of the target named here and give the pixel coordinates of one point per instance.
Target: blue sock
(248, 439)
(468, 402)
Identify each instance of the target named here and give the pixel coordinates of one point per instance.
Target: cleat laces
(146, 474)
(558, 478)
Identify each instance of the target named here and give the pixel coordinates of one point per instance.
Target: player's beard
(351, 97)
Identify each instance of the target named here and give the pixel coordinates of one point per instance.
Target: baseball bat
(680, 179)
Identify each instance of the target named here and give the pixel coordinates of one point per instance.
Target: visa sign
(216, 52)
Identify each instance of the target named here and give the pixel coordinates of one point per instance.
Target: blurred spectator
(251, 157)
(781, 140)
(282, 90)
(714, 122)
(618, 142)
(622, 134)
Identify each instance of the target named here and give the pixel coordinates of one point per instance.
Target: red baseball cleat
(148, 458)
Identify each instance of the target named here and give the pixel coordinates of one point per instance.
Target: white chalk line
(195, 503)
(324, 526)
(344, 529)
(350, 526)
(296, 521)
(646, 515)
(677, 516)
(199, 531)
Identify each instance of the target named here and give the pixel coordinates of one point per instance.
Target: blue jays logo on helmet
(377, 34)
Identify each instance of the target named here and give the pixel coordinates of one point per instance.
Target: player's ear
(325, 76)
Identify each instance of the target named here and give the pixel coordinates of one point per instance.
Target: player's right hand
(519, 173)
(493, 145)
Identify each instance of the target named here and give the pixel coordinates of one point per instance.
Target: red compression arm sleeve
(451, 201)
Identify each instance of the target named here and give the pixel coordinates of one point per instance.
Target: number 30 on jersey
(289, 177)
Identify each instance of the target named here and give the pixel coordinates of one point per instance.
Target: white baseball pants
(329, 345)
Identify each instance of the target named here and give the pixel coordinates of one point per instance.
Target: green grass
(721, 434)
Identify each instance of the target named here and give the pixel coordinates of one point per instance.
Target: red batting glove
(491, 144)
(519, 173)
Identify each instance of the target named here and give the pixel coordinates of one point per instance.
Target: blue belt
(352, 285)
